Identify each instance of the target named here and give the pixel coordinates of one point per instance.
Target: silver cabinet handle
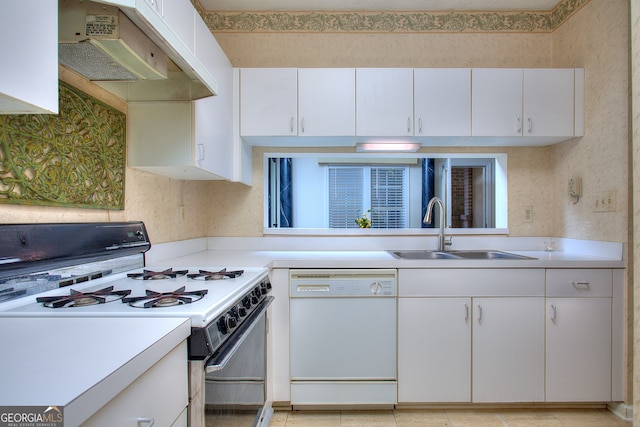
(529, 125)
(420, 125)
(580, 285)
(555, 313)
(408, 124)
(466, 312)
(519, 125)
(301, 126)
(200, 152)
(291, 124)
(479, 312)
(146, 422)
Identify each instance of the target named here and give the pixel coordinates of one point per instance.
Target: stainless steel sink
(417, 254)
(488, 255)
(468, 255)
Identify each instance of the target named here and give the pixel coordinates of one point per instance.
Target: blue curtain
(286, 203)
(428, 187)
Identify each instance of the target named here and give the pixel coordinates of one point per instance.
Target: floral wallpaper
(391, 22)
(73, 159)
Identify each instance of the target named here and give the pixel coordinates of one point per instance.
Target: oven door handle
(220, 360)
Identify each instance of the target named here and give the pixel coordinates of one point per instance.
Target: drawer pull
(466, 311)
(580, 285)
(479, 313)
(146, 422)
(555, 313)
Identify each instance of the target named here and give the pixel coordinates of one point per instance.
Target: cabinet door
(384, 101)
(548, 102)
(326, 101)
(213, 117)
(578, 349)
(268, 102)
(434, 350)
(29, 78)
(442, 101)
(496, 101)
(508, 349)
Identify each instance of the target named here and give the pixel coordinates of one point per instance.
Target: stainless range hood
(101, 43)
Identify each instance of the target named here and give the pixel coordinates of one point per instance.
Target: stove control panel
(204, 342)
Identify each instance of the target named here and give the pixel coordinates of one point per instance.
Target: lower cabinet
(578, 340)
(158, 397)
(470, 335)
(508, 349)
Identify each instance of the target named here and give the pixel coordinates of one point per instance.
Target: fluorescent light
(388, 146)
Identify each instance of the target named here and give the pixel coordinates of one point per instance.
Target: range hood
(131, 60)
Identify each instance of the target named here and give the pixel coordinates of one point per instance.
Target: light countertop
(80, 364)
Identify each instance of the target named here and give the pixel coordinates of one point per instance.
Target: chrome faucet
(429, 217)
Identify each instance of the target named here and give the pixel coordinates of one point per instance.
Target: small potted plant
(363, 221)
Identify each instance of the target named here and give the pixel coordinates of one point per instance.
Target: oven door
(235, 376)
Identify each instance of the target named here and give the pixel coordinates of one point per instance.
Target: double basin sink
(466, 255)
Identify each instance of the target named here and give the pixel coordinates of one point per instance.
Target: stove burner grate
(169, 273)
(83, 299)
(215, 275)
(155, 299)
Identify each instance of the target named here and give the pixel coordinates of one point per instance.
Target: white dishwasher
(343, 336)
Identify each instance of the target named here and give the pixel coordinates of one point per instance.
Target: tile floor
(450, 418)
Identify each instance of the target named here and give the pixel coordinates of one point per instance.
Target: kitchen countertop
(71, 369)
(383, 259)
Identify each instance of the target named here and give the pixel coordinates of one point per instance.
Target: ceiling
(386, 5)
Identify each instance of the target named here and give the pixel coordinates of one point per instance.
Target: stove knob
(254, 299)
(263, 289)
(242, 311)
(222, 326)
(268, 286)
(232, 322)
(246, 302)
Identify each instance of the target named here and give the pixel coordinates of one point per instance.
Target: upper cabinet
(529, 102)
(326, 101)
(442, 101)
(269, 102)
(29, 79)
(496, 106)
(384, 101)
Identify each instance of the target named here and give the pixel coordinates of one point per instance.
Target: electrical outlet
(527, 214)
(604, 201)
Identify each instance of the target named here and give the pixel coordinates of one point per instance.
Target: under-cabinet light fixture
(399, 146)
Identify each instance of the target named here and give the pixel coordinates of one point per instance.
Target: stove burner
(165, 299)
(157, 275)
(83, 299)
(215, 275)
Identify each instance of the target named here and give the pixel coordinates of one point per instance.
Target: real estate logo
(31, 416)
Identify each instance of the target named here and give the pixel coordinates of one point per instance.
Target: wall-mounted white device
(575, 188)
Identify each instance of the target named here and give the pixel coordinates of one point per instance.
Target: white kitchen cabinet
(442, 101)
(326, 101)
(508, 349)
(434, 350)
(29, 77)
(523, 102)
(159, 395)
(384, 102)
(181, 139)
(578, 340)
(268, 102)
(470, 335)
(180, 16)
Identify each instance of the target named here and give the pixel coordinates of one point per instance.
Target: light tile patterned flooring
(450, 418)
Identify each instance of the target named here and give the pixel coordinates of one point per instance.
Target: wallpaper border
(390, 22)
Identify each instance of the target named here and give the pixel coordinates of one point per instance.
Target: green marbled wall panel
(76, 158)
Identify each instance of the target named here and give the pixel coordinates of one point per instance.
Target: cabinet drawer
(579, 282)
(471, 282)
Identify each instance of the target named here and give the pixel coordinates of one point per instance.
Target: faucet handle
(448, 242)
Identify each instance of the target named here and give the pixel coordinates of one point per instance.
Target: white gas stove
(204, 300)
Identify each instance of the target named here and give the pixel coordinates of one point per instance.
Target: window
(379, 190)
